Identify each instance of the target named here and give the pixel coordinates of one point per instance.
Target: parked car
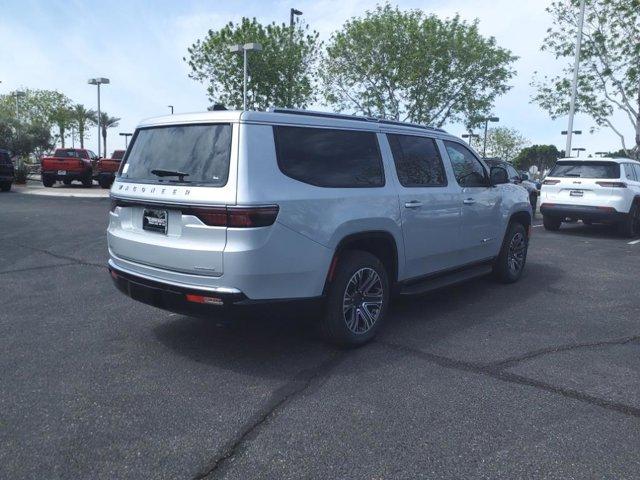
(594, 191)
(67, 165)
(7, 172)
(220, 210)
(107, 168)
(518, 178)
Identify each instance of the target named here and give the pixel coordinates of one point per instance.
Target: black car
(519, 178)
(7, 172)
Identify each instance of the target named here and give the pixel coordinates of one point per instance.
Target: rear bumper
(582, 212)
(189, 300)
(68, 175)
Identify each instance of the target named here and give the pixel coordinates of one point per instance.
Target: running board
(445, 280)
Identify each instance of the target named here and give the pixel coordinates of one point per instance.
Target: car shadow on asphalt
(274, 343)
(589, 231)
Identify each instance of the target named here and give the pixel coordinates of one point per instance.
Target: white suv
(594, 190)
(220, 210)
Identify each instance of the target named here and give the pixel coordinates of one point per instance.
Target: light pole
(578, 149)
(18, 94)
(486, 121)
(171, 107)
(292, 14)
(576, 69)
(470, 136)
(567, 153)
(99, 81)
(126, 138)
(247, 47)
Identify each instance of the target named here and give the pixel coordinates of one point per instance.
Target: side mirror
(524, 176)
(499, 176)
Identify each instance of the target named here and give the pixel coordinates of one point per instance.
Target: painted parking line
(633, 242)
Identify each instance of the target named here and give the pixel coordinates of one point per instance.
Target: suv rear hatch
(580, 182)
(171, 197)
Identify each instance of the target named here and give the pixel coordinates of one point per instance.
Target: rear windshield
(183, 154)
(586, 170)
(118, 154)
(70, 153)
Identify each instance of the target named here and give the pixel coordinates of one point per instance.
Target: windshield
(199, 153)
(586, 169)
(70, 153)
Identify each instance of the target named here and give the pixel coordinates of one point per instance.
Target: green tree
(83, 118)
(62, 118)
(24, 139)
(609, 78)
(409, 66)
(281, 74)
(505, 143)
(542, 156)
(106, 122)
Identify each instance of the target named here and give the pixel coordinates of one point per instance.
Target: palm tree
(107, 122)
(83, 118)
(62, 117)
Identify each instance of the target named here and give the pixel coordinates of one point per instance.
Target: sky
(140, 44)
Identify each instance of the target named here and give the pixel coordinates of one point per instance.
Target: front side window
(180, 154)
(467, 169)
(514, 176)
(417, 161)
(637, 169)
(329, 158)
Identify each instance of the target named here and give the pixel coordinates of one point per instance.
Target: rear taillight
(612, 184)
(551, 182)
(235, 217)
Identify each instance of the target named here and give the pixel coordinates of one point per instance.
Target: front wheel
(358, 299)
(511, 260)
(551, 223)
(5, 187)
(105, 182)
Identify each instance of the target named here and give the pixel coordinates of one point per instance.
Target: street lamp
(575, 132)
(99, 81)
(574, 83)
(470, 136)
(486, 121)
(293, 13)
(126, 137)
(171, 107)
(602, 154)
(247, 47)
(579, 149)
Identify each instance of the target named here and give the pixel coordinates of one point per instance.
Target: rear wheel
(551, 223)
(358, 299)
(630, 227)
(510, 263)
(87, 181)
(105, 182)
(5, 187)
(48, 181)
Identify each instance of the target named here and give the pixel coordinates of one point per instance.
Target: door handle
(469, 201)
(413, 204)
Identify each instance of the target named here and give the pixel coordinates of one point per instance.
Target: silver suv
(219, 210)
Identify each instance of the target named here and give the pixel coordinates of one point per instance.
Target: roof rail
(343, 116)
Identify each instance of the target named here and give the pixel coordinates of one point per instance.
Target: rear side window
(630, 172)
(417, 161)
(329, 158)
(637, 169)
(590, 169)
(180, 154)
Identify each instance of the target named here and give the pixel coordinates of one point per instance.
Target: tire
(359, 324)
(5, 187)
(67, 181)
(533, 200)
(551, 223)
(47, 181)
(105, 182)
(512, 258)
(587, 222)
(630, 227)
(87, 181)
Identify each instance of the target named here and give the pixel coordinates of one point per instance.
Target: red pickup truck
(107, 168)
(67, 165)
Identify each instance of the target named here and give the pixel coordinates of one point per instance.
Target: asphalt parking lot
(540, 379)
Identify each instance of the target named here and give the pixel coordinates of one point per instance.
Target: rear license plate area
(576, 193)
(155, 220)
(62, 172)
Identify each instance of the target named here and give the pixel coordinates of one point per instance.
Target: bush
(21, 173)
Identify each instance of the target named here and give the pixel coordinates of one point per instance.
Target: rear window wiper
(170, 173)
